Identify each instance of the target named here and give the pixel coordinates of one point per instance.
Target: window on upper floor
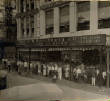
(64, 18)
(27, 31)
(22, 27)
(104, 14)
(32, 21)
(22, 6)
(83, 15)
(49, 0)
(32, 25)
(32, 4)
(27, 26)
(49, 21)
(27, 5)
(32, 30)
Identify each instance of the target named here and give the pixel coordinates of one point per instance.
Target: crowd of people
(69, 71)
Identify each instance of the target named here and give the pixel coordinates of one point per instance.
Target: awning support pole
(108, 70)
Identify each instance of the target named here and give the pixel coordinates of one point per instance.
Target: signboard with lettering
(75, 40)
(69, 41)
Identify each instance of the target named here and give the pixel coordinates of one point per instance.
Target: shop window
(64, 19)
(83, 15)
(49, 21)
(49, 0)
(104, 14)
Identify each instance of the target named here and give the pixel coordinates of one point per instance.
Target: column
(108, 69)
(93, 16)
(18, 28)
(30, 31)
(42, 22)
(38, 25)
(56, 20)
(25, 27)
(17, 6)
(73, 17)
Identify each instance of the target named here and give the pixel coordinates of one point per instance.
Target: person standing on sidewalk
(44, 70)
(104, 75)
(67, 72)
(60, 72)
(31, 67)
(9, 65)
(25, 66)
(93, 77)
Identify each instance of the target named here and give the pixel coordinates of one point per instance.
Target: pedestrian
(44, 70)
(93, 77)
(31, 67)
(9, 65)
(78, 74)
(100, 79)
(25, 66)
(60, 73)
(54, 77)
(48, 70)
(41, 69)
(52, 70)
(104, 75)
(67, 72)
(74, 74)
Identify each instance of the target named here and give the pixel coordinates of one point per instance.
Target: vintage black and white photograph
(54, 50)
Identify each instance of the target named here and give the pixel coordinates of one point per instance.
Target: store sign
(53, 4)
(75, 40)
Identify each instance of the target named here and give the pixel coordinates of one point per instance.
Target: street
(67, 92)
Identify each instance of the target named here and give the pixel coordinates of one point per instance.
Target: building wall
(40, 28)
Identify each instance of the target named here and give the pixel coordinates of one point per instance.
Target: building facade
(2, 32)
(63, 31)
(10, 28)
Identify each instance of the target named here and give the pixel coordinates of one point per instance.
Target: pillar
(17, 5)
(56, 20)
(73, 17)
(93, 16)
(30, 31)
(42, 22)
(25, 35)
(108, 69)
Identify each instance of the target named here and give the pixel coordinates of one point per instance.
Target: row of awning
(56, 49)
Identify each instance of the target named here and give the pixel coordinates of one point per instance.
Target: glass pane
(83, 15)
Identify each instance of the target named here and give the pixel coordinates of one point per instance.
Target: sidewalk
(81, 86)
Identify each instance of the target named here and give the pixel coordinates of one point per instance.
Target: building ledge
(50, 5)
(27, 13)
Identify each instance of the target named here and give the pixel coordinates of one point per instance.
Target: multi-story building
(2, 35)
(10, 28)
(64, 31)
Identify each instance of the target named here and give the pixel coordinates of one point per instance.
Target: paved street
(70, 90)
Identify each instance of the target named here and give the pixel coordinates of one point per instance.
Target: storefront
(88, 49)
